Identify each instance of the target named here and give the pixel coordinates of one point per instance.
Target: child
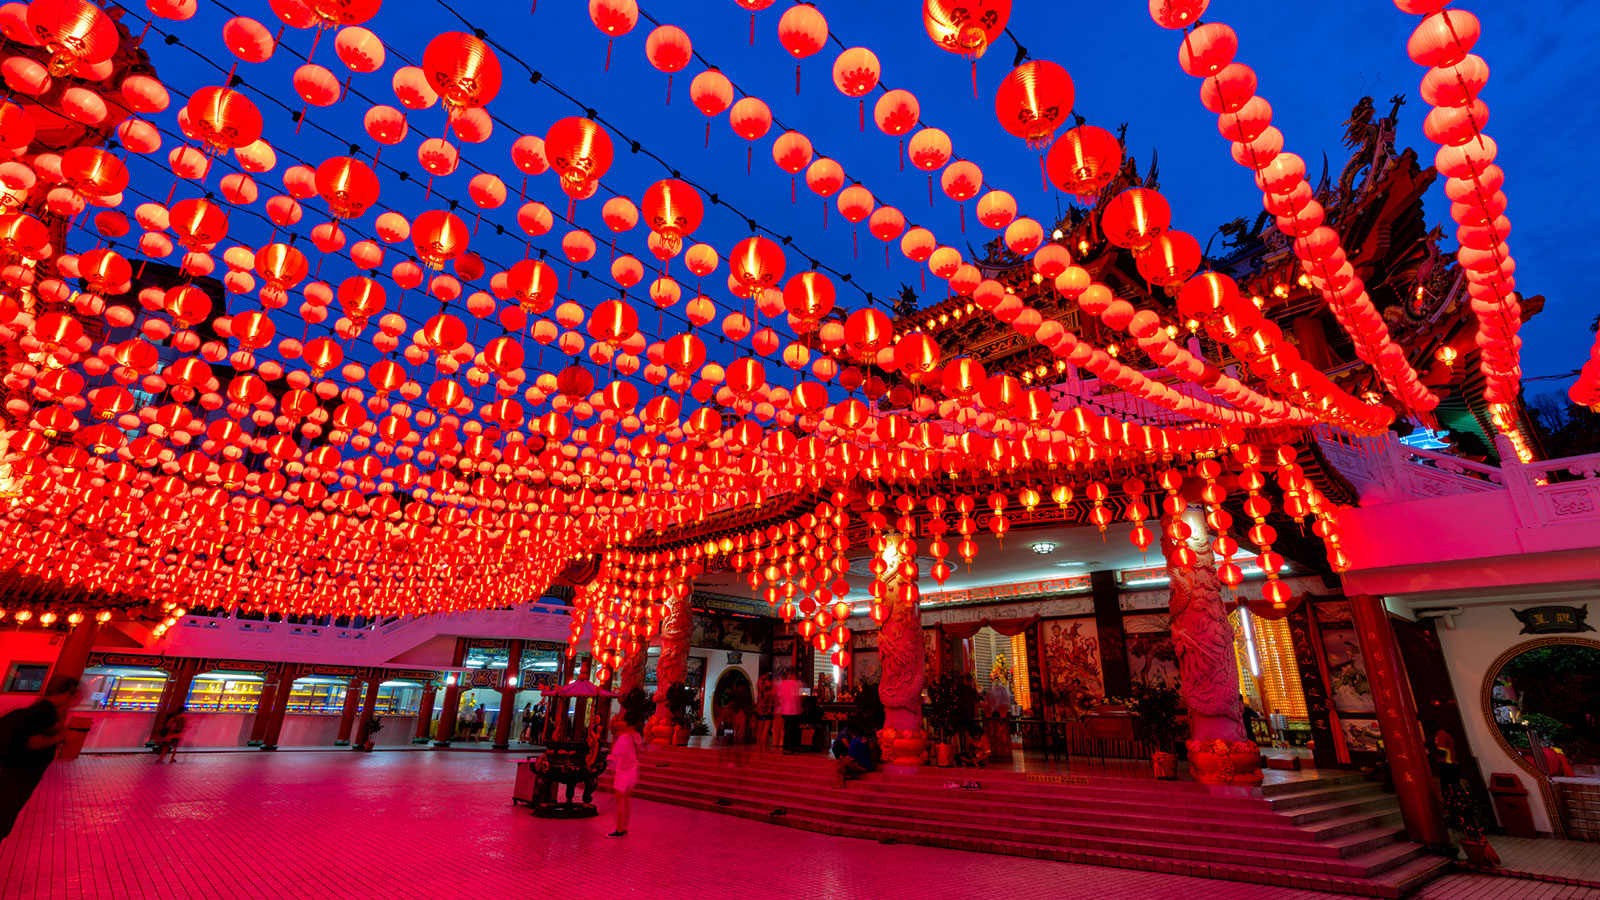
(625, 748)
(978, 748)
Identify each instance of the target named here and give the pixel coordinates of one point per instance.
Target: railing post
(1518, 482)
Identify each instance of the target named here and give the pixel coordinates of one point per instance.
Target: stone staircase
(1338, 833)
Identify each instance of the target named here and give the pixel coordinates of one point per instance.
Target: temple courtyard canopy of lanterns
(411, 375)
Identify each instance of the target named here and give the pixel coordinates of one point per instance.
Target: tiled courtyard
(327, 826)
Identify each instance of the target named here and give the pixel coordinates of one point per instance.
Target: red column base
(1224, 762)
(904, 748)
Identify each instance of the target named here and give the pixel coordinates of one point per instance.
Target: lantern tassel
(824, 215)
(797, 79)
(752, 29)
(708, 133)
(570, 203)
(791, 191)
(900, 152)
(854, 246)
(748, 153)
(861, 114)
(608, 55)
(963, 208)
(429, 192)
(669, 90)
(930, 190)
(974, 79)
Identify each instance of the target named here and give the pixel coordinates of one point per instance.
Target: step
(1159, 793)
(1019, 793)
(1393, 883)
(1221, 846)
(980, 808)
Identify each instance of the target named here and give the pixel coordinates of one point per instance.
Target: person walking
(626, 745)
(477, 723)
(766, 703)
(171, 734)
(28, 741)
(789, 707)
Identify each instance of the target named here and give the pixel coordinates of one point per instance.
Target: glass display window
(225, 692)
(399, 698)
(122, 688)
(318, 696)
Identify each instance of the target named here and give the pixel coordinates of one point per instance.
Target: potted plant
(1156, 709)
(944, 717)
(1464, 814)
(371, 728)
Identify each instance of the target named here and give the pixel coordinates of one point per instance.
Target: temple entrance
(1541, 697)
(733, 705)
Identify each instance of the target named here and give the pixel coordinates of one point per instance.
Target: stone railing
(1547, 493)
(1383, 470)
(1556, 491)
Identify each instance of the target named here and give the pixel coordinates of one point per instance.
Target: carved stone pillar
(903, 740)
(631, 674)
(1219, 752)
(673, 666)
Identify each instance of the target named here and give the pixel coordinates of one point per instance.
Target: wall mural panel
(1152, 659)
(1347, 671)
(865, 668)
(1071, 649)
(729, 633)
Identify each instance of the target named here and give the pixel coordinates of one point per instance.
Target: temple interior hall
(770, 448)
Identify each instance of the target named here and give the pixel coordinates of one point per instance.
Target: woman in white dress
(626, 745)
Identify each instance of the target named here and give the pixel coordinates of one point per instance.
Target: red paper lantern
(672, 209)
(578, 149)
(462, 69)
(1135, 218)
(965, 27)
(439, 236)
(75, 32)
(1084, 160)
(222, 119)
(757, 263)
(348, 185)
(1033, 100)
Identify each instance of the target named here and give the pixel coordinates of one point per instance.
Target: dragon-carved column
(672, 669)
(903, 740)
(1219, 752)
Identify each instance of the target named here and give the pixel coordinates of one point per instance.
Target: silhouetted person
(171, 735)
(28, 741)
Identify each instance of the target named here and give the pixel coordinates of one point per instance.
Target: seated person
(852, 757)
(978, 748)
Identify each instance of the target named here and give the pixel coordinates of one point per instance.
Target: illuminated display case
(318, 695)
(126, 689)
(225, 692)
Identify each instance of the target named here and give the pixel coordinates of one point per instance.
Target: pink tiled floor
(327, 826)
(1579, 860)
